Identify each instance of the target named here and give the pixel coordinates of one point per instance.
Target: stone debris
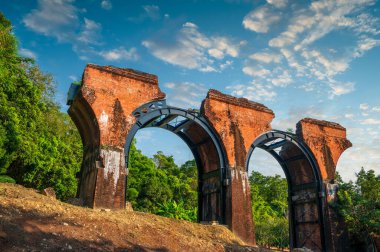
(49, 192)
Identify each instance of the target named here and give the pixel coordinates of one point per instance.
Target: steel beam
(182, 125)
(164, 121)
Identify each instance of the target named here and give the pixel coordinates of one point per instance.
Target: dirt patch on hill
(30, 221)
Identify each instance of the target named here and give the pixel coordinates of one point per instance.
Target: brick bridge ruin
(113, 103)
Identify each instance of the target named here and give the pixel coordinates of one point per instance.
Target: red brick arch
(103, 107)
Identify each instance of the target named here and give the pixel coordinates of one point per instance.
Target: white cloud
(340, 88)
(321, 67)
(73, 78)
(216, 53)
(185, 94)
(370, 121)
(170, 85)
(308, 87)
(106, 4)
(151, 12)
(282, 80)
(295, 114)
(331, 15)
(120, 53)
(349, 116)
(260, 19)
(56, 18)
(278, 3)
(364, 106)
(297, 25)
(308, 24)
(253, 91)
(90, 33)
(292, 62)
(192, 49)
(376, 109)
(226, 64)
(255, 71)
(367, 24)
(60, 19)
(266, 57)
(353, 159)
(27, 53)
(365, 44)
(334, 15)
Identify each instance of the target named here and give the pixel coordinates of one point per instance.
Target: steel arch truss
(305, 187)
(203, 142)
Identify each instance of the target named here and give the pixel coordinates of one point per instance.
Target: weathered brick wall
(327, 141)
(109, 95)
(238, 123)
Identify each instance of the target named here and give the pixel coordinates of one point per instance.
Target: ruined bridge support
(327, 141)
(102, 111)
(238, 122)
(113, 101)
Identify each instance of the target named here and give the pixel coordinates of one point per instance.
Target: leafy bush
(359, 204)
(270, 209)
(177, 211)
(6, 179)
(272, 232)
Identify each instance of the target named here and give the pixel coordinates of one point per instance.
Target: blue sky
(317, 59)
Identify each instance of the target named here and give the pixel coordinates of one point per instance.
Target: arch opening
(163, 175)
(195, 131)
(305, 187)
(269, 193)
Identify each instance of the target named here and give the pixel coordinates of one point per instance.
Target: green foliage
(272, 232)
(6, 179)
(176, 210)
(270, 209)
(39, 145)
(159, 186)
(359, 204)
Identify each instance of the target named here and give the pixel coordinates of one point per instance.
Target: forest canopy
(39, 145)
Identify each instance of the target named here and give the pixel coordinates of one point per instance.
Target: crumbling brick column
(102, 111)
(238, 123)
(327, 141)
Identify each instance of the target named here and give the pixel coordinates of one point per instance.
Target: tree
(39, 145)
(270, 209)
(159, 186)
(359, 204)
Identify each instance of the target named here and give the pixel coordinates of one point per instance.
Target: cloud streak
(185, 94)
(296, 50)
(61, 20)
(192, 49)
(260, 19)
